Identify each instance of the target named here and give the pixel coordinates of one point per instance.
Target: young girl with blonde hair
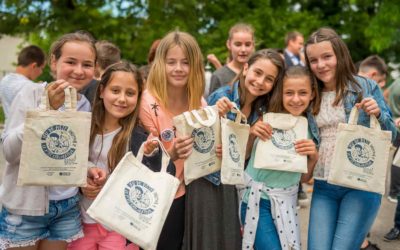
(175, 84)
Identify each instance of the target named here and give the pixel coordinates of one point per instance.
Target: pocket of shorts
(12, 221)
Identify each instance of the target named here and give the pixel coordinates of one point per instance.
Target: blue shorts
(63, 222)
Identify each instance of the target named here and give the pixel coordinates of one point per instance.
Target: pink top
(153, 115)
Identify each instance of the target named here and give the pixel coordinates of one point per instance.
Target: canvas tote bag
(234, 136)
(135, 200)
(361, 155)
(205, 128)
(55, 145)
(279, 153)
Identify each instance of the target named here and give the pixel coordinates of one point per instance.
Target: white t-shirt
(10, 85)
(98, 156)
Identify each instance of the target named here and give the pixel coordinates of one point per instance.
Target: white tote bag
(234, 136)
(361, 155)
(205, 128)
(135, 201)
(279, 153)
(55, 145)
(396, 160)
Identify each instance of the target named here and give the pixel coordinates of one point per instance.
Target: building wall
(9, 48)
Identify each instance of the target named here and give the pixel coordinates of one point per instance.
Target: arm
(375, 105)
(214, 61)
(307, 147)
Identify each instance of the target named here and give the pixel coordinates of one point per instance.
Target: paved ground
(382, 224)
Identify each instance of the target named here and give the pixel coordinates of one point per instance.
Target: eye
(131, 93)
(114, 90)
(88, 65)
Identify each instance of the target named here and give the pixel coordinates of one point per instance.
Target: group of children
(204, 214)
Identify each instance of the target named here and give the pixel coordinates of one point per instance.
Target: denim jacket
(232, 93)
(369, 89)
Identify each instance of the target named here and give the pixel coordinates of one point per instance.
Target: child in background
(114, 128)
(39, 217)
(240, 44)
(278, 194)
(215, 224)
(175, 84)
(340, 217)
(107, 54)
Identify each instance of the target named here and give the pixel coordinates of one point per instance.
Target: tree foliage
(367, 26)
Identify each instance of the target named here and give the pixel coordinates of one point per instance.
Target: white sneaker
(392, 199)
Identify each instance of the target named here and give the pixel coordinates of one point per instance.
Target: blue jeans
(62, 222)
(340, 217)
(266, 235)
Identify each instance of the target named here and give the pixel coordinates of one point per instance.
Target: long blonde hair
(128, 123)
(157, 79)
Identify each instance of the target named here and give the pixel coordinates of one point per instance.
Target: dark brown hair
(375, 62)
(128, 123)
(276, 104)
(31, 54)
(345, 69)
(261, 101)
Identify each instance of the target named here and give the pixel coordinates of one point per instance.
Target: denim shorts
(63, 222)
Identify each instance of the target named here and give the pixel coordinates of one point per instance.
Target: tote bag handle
(210, 114)
(164, 158)
(353, 119)
(70, 102)
(240, 117)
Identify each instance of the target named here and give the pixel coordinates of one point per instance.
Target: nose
(320, 64)
(78, 69)
(296, 97)
(178, 66)
(121, 97)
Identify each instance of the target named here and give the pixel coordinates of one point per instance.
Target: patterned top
(327, 120)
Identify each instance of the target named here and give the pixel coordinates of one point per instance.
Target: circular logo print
(58, 142)
(167, 135)
(233, 148)
(141, 197)
(203, 139)
(283, 139)
(361, 152)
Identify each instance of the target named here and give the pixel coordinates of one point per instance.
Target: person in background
(30, 64)
(294, 41)
(241, 45)
(107, 54)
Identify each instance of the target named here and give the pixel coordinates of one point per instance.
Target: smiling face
(75, 65)
(177, 67)
(323, 63)
(259, 77)
(241, 46)
(120, 95)
(297, 94)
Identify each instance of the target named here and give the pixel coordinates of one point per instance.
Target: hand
(150, 145)
(370, 106)
(214, 60)
(218, 151)
(306, 147)
(224, 105)
(262, 130)
(397, 122)
(97, 176)
(56, 93)
(182, 148)
(91, 190)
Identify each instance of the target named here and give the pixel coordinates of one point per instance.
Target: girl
(340, 217)
(273, 187)
(39, 217)
(219, 215)
(240, 44)
(175, 84)
(114, 126)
